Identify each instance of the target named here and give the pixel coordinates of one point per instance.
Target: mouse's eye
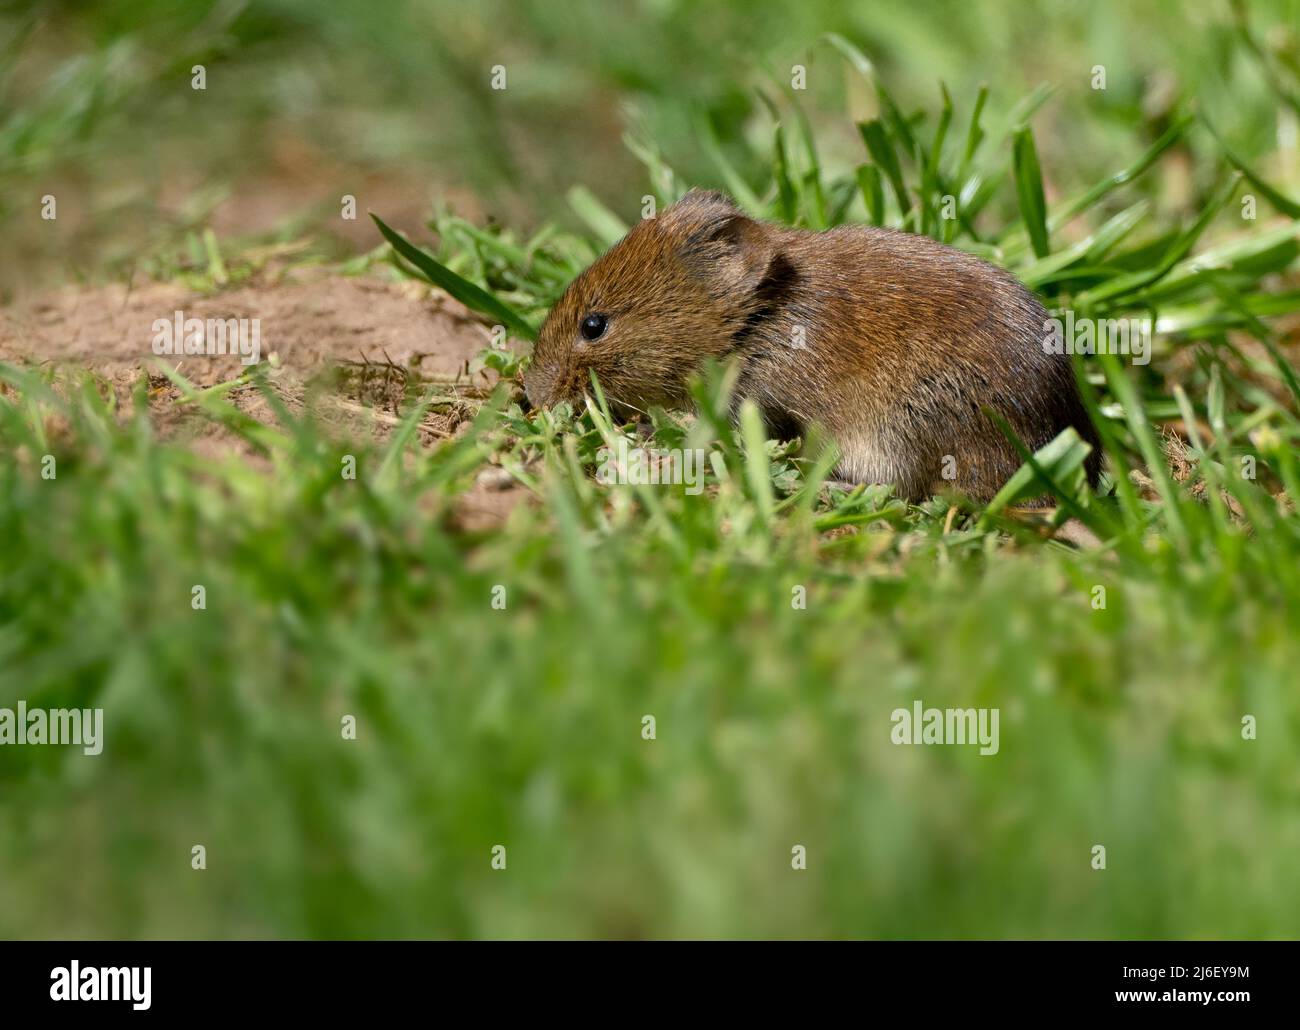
(593, 327)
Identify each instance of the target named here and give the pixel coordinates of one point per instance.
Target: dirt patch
(358, 346)
(307, 321)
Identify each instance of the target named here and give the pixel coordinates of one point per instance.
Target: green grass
(478, 726)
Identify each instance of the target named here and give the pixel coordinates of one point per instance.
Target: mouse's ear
(728, 251)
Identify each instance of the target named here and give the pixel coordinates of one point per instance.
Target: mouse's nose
(537, 387)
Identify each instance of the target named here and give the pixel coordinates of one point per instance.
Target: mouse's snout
(537, 386)
(546, 384)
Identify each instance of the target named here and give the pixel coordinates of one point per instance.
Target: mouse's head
(678, 288)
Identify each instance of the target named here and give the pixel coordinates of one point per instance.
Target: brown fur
(904, 341)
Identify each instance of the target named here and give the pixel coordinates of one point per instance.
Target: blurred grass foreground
(335, 706)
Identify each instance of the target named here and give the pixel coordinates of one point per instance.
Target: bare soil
(353, 348)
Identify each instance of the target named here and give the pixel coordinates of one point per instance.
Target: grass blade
(1029, 191)
(1090, 197)
(886, 159)
(472, 296)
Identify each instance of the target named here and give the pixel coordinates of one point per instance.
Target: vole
(892, 342)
